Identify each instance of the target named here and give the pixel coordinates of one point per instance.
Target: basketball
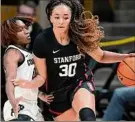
(126, 72)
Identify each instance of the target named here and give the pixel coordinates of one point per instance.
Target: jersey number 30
(68, 70)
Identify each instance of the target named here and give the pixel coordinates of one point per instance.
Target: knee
(118, 93)
(87, 114)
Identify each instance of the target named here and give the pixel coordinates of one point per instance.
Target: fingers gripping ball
(126, 72)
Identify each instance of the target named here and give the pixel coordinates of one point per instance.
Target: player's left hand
(48, 98)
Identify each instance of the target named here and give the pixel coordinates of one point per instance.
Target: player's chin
(61, 29)
(28, 40)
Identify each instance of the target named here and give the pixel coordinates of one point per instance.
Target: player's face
(23, 33)
(60, 18)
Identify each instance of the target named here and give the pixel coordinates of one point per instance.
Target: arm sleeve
(39, 49)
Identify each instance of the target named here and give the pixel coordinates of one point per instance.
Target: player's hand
(15, 105)
(46, 98)
(20, 82)
(131, 54)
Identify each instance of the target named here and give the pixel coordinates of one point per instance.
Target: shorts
(30, 110)
(22, 117)
(65, 97)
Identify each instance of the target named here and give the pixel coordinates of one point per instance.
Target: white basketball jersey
(25, 71)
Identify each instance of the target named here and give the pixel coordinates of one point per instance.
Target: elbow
(42, 79)
(42, 82)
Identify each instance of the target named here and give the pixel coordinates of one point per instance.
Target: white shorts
(31, 109)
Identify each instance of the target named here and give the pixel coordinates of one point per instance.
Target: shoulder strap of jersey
(23, 52)
(15, 47)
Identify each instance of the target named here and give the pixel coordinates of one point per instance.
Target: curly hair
(84, 32)
(9, 29)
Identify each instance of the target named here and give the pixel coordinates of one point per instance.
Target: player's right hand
(15, 105)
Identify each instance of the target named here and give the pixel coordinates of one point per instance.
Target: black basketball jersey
(64, 63)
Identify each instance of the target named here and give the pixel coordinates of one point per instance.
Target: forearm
(35, 83)
(10, 92)
(112, 57)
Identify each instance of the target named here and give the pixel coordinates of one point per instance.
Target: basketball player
(19, 64)
(60, 54)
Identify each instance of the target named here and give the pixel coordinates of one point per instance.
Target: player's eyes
(66, 18)
(26, 27)
(56, 17)
(19, 29)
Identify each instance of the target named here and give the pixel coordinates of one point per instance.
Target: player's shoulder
(44, 39)
(11, 49)
(46, 33)
(12, 52)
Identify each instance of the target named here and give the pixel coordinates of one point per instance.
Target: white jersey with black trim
(25, 71)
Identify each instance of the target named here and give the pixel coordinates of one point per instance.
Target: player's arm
(11, 59)
(41, 67)
(39, 52)
(42, 73)
(108, 57)
(38, 80)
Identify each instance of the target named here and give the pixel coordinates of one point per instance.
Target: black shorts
(63, 99)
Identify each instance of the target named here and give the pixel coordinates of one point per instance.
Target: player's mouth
(61, 27)
(28, 37)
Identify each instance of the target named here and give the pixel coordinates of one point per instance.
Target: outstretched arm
(108, 57)
(11, 60)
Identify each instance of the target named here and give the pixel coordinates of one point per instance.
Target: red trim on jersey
(55, 112)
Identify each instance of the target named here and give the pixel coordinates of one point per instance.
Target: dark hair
(84, 32)
(74, 5)
(9, 29)
(29, 3)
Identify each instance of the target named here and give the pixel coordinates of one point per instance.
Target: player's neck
(62, 38)
(21, 46)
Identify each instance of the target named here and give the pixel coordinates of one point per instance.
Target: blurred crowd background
(117, 17)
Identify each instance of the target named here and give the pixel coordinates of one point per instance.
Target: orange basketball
(126, 72)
